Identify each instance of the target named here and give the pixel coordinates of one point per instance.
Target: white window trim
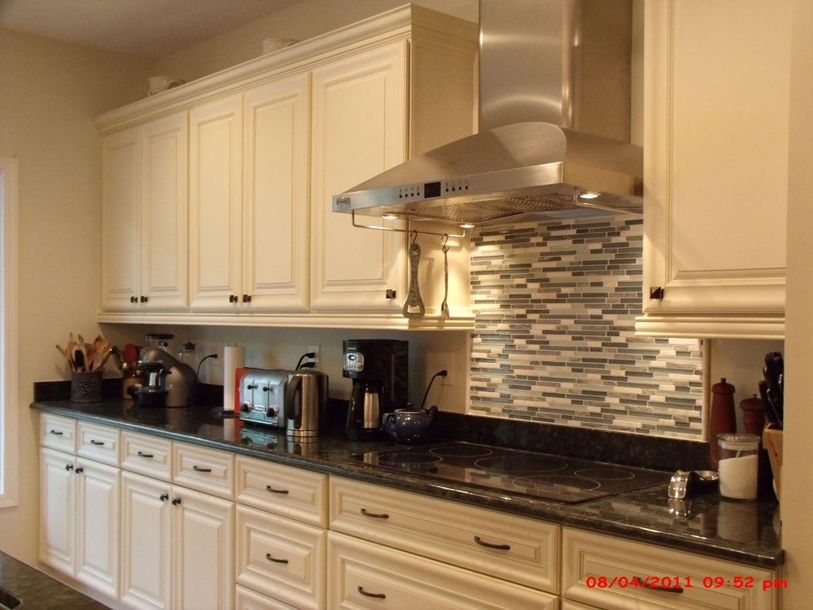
(9, 400)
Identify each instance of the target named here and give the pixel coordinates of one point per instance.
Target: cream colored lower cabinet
(362, 574)
(177, 547)
(281, 558)
(79, 519)
(599, 570)
(517, 549)
(249, 600)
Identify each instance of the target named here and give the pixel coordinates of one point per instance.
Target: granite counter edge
(539, 509)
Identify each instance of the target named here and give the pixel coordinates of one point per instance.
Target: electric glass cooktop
(537, 475)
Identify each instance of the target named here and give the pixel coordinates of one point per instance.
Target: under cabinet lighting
(467, 225)
(389, 216)
(589, 195)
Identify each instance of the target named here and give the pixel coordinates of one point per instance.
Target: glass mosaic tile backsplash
(554, 339)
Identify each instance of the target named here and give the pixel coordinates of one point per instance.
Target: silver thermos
(305, 403)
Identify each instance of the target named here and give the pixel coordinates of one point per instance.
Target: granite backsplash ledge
(555, 340)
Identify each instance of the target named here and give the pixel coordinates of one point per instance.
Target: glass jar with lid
(738, 465)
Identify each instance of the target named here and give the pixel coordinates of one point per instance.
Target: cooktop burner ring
(520, 464)
(561, 482)
(461, 451)
(605, 473)
(406, 458)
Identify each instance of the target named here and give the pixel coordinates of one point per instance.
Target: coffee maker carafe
(378, 368)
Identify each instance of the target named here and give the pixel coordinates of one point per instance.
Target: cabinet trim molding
(710, 327)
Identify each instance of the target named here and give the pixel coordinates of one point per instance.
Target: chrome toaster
(262, 396)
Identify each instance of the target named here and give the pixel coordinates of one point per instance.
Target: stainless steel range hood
(554, 82)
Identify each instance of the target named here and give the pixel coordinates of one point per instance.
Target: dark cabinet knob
(233, 298)
(68, 467)
(390, 294)
(656, 292)
(163, 497)
(134, 299)
(176, 501)
(144, 299)
(246, 298)
(79, 470)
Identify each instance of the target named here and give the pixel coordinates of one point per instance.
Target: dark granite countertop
(37, 591)
(747, 532)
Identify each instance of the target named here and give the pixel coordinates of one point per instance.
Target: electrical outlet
(447, 380)
(315, 350)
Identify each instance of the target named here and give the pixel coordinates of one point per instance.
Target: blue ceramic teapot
(409, 425)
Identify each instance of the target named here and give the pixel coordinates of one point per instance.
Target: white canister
(738, 465)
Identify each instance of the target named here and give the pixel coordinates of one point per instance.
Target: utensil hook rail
(408, 229)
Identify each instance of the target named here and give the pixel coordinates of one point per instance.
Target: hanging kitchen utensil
(413, 306)
(64, 352)
(444, 306)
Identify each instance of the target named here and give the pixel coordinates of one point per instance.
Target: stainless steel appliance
(181, 380)
(306, 403)
(295, 401)
(554, 120)
(378, 368)
(262, 396)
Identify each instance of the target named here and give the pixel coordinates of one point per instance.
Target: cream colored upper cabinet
(275, 196)
(716, 169)
(360, 127)
(215, 203)
(121, 194)
(165, 202)
(144, 217)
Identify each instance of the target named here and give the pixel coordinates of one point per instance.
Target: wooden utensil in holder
(772, 441)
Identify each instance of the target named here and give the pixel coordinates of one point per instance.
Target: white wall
(49, 92)
(301, 21)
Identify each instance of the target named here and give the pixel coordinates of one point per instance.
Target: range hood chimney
(554, 121)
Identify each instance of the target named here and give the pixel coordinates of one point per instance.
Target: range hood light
(467, 225)
(389, 217)
(587, 196)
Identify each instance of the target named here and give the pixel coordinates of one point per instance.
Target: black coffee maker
(378, 368)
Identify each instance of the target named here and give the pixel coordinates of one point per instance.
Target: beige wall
(797, 473)
(49, 92)
(301, 21)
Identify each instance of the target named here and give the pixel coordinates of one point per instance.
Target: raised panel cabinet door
(359, 130)
(275, 196)
(716, 168)
(164, 211)
(97, 530)
(57, 510)
(203, 551)
(215, 204)
(146, 536)
(121, 199)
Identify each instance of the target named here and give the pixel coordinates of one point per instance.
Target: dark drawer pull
(56, 432)
(642, 582)
(199, 469)
(163, 497)
(489, 545)
(145, 455)
(68, 467)
(176, 501)
(274, 559)
(277, 491)
(79, 470)
(374, 515)
(376, 595)
(97, 443)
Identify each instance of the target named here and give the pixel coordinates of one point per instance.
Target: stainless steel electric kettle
(305, 403)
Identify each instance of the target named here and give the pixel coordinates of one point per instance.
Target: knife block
(772, 441)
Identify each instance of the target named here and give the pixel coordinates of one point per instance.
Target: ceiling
(144, 28)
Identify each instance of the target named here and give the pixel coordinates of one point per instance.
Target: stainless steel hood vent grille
(530, 167)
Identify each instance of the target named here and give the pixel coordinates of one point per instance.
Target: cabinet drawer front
(204, 469)
(518, 549)
(99, 443)
(249, 600)
(287, 491)
(147, 455)
(587, 555)
(366, 575)
(280, 557)
(58, 432)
